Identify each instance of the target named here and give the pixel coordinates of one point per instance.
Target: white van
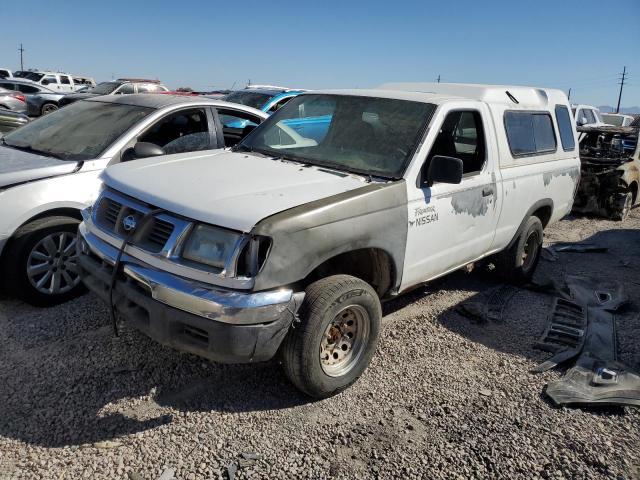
(289, 242)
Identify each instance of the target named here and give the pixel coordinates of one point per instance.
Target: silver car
(10, 100)
(50, 168)
(40, 100)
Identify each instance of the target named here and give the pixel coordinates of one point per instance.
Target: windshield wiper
(30, 149)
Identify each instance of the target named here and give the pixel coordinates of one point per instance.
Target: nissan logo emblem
(129, 223)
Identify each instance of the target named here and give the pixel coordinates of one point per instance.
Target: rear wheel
(336, 337)
(518, 263)
(41, 263)
(620, 206)
(48, 108)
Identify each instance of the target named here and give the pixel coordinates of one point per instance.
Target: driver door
(451, 225)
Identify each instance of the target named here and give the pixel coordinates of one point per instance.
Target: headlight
(210, 245)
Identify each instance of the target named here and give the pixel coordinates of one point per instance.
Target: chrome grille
(153, 236)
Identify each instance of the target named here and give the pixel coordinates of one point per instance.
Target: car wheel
(518, 263)
(336, 337)
(620, 206)
(48, 108)
(41, 263)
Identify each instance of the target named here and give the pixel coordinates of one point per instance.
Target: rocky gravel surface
(445, 396)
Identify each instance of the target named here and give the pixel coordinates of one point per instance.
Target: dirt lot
(445, 396)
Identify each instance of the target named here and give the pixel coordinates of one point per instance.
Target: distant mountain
(629, 110)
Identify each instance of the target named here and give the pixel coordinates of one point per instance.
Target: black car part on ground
(603, 155)
(582, 326)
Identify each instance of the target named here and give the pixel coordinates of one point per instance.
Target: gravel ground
(445, 396)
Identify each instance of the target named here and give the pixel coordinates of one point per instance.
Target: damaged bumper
(222, 325)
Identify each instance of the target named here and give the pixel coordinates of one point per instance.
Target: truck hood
(17, 166)
(233, 190)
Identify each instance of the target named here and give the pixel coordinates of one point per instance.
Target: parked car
(610, 172)
(10, 120)
(40, 100)
(49, 171)
(56, 81)
(266, 98)
(617, 119)
(587, 115)
(122, 86)
(288, 243)
(83, 82)
(43, 103)
(5, 73)
(10, 100)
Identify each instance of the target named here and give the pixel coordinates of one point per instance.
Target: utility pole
(569, 94)
(21, 50)
(624, 74)
(438, 78)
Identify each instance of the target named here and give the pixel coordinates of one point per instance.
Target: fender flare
(545, 202)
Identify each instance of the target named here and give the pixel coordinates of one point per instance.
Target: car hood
(233, 190)
(17, 166)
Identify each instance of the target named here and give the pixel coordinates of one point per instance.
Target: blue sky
(582, 44)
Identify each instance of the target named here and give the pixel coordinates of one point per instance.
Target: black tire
(620, 206)
(302, 347)
(20, 255)
(48, 108)
(512, 264)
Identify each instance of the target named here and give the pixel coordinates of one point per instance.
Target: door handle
(487, 191)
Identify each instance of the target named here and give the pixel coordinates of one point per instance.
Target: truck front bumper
(223, 325)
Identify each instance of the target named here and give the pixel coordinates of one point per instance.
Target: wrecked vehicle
(610, 171)
(288, 243)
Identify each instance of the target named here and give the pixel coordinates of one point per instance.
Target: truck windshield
(248, 98)
(367, 135)
(35, 76)
(80, 131)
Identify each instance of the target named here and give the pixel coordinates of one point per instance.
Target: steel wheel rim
(52, 266)
(344, 341)
(529, 251)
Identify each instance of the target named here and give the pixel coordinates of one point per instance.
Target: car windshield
(613, 120)
(35, 76)
(80, 131)
(367, 135)
(105, 88)
(249, 98)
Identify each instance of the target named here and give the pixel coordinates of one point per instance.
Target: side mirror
(146, 149)
(444, 170)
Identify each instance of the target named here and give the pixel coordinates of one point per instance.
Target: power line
(624, 74)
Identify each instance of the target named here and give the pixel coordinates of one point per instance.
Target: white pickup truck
(288, 243)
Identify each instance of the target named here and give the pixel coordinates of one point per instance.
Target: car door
(452, 225)
(65, 83)
(183, 130)
(234, 125)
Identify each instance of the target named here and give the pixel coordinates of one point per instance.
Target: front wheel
(336, 337)
(41, 264)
